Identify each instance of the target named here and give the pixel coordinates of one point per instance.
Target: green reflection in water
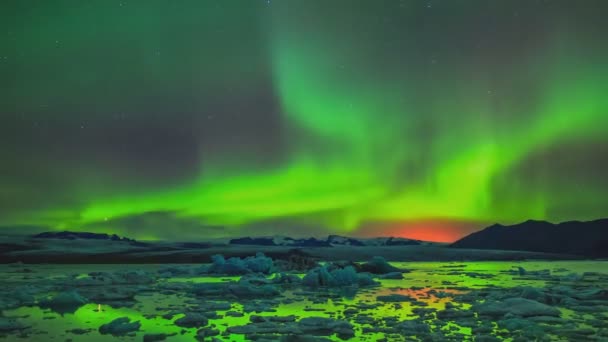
(432, 283)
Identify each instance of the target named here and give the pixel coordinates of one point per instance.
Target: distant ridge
(98, 248)
(573, 237)
(67, 235)
(332, 240)
(279, 241)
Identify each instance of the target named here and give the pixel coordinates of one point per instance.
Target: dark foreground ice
(259, 299)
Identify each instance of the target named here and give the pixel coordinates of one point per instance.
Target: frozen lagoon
(453, 301)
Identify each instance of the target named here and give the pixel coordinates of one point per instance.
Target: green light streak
(369, 131)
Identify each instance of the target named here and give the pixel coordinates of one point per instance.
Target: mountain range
(330, 241)
(527, 240)
(588, 238)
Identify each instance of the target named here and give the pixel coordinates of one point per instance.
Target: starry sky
(197, 119)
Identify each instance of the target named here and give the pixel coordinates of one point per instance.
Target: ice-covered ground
(430, 301)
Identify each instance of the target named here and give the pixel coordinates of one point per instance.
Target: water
(430, 285)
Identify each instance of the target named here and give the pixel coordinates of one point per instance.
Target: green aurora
(216, 118)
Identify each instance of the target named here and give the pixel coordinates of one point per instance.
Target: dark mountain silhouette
(280, 241)
(253, 241)
(332, 240)
(96, 248)
(392, 241)
(574, 237)
(343, 240)
(67, 235)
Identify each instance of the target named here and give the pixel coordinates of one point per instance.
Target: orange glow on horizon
(434, 230)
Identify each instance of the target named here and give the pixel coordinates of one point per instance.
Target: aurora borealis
(193, 119)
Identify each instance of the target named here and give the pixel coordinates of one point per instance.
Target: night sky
(198, 119)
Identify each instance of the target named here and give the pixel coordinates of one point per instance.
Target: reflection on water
(434, 295)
